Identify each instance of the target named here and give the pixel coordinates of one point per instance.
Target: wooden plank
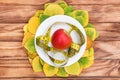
(107, 49)
(10, 45)
(12, 14)
(14, 63)
(59, 78)
(25, 2)
(98, 13)
(14, 32)
(20, 68)
(106, 31)
(39, 2)
(105, 2)
(11, 32)
(13, 53)
(103, 50)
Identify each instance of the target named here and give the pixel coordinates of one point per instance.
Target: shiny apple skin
(61, 39)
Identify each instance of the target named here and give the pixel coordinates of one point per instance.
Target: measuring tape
(42, 41)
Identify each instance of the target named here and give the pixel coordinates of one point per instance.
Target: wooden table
(104, 14)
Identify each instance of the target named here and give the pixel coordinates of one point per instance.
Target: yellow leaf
(53, 9)
(86, 53)
(37, 67)
(25, 28)
(49, 70)
(30, 60)
(33, 24)
(74, 69)
(38, 12)
(27, 36)
(32, 55)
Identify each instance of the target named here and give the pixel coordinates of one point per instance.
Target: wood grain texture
(38, 78)
(14, 32)
(107, 49)
(21, 13)
(71, 78)
(106, 31)
(104, 14)
(11, 32)
(39, 2)
(103, 50)
(106, 68)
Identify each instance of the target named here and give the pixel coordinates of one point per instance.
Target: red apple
(61, 39)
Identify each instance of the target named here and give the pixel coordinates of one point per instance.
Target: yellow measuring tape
(42, 41)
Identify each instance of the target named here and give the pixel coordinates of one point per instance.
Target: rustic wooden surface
(104, 14)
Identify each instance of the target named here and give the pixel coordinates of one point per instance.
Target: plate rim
(74, 22)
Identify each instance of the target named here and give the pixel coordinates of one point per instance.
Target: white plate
(58, 22)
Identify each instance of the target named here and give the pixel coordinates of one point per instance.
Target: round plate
(59, 21)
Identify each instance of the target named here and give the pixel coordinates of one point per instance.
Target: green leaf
(81, 16)
(43, 17)
(91, 33)
(63, 4)
(29, 45)
(92, 26)
(41, 61)
(61, 72)
(89, 26)
(68, 9)
(80, 19)
(69, 14)
(86, 62)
